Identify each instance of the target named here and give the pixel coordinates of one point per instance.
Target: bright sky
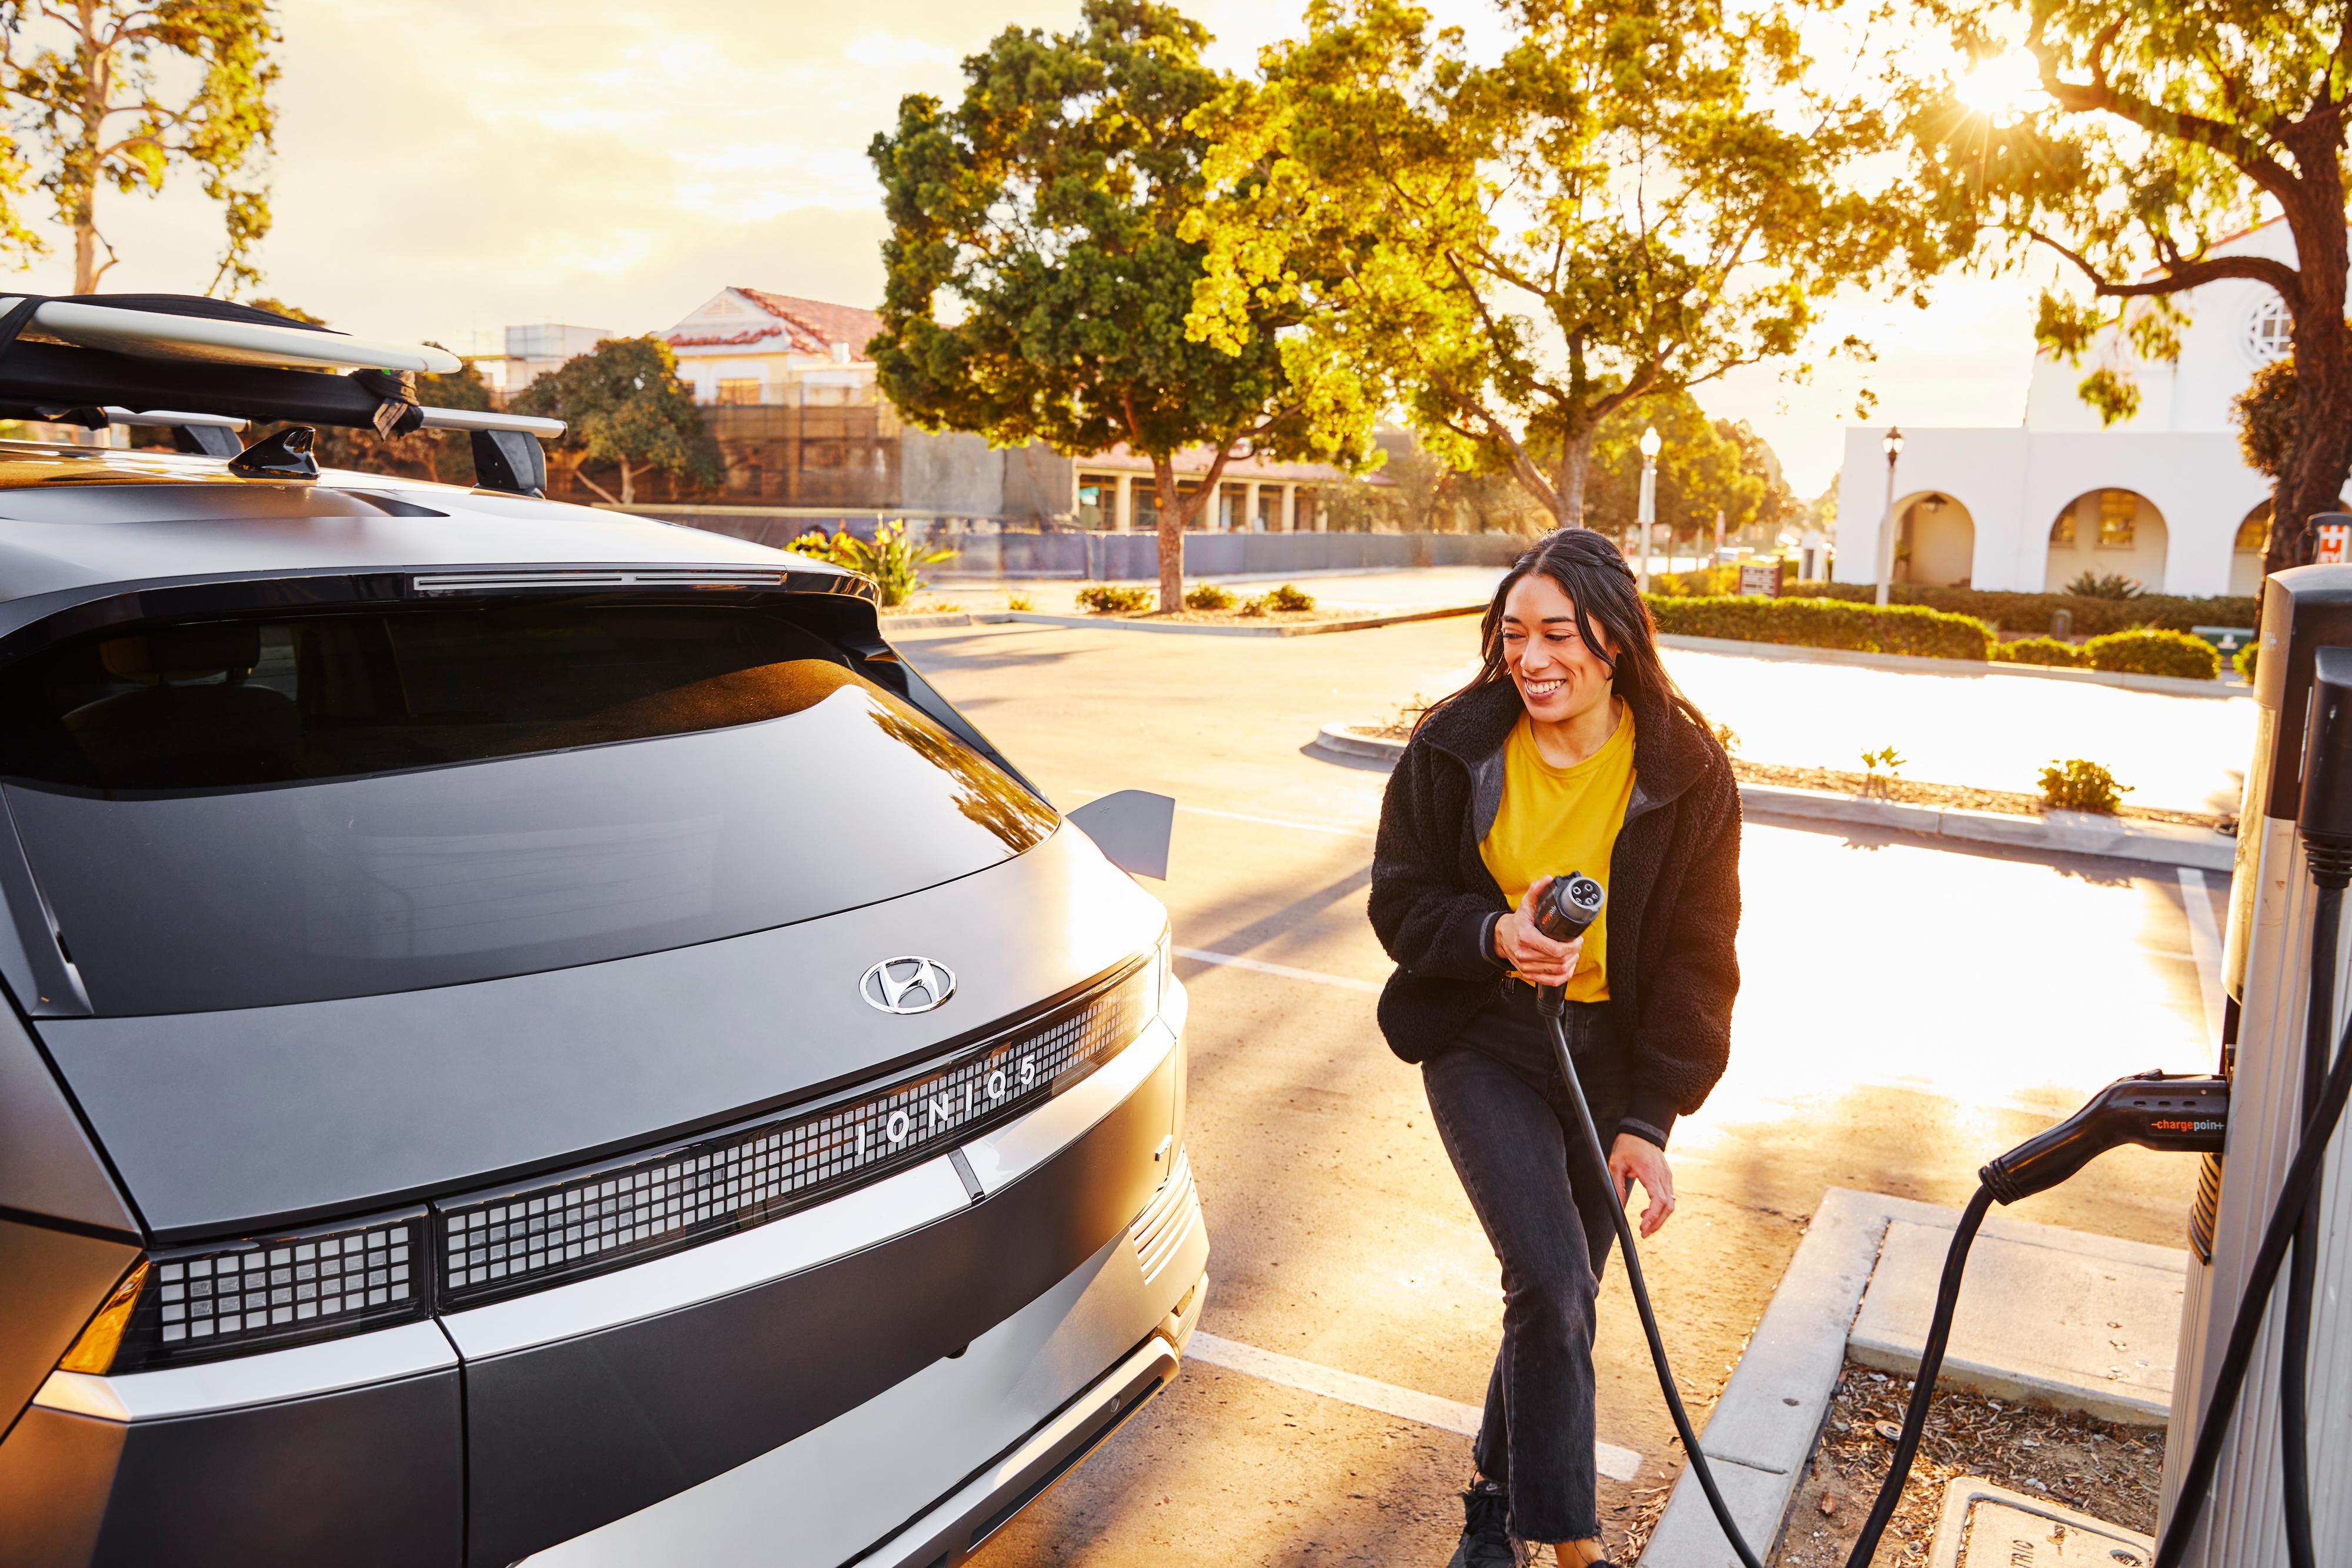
(447, 169)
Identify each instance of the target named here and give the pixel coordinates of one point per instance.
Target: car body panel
(565, 1437)
(48, 1165)
(51, 1284)
(371, 1100)
(367, 1477)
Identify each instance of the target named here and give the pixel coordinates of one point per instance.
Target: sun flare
(2003, 87)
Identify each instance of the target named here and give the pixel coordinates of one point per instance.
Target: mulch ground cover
(2103, 1470)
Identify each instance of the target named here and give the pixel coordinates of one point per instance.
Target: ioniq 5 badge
(907, 985)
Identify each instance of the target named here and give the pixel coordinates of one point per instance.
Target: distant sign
(1759, 581)
(2334, 544)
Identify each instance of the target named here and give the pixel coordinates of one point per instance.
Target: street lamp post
(1648, 515)
(1893, 445)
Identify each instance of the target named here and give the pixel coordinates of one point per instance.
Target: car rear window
(258, 809)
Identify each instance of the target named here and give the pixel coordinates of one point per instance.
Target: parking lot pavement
(1905, 1013)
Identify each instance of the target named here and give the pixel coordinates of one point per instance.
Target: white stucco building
(2163, 498)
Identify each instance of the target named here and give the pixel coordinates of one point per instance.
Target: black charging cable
(1567, 907)
(2294, 1323)
(2151, 1108)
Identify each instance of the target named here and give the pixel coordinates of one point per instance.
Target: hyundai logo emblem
(907, 985)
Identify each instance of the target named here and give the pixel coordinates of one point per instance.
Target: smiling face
(1558, 678)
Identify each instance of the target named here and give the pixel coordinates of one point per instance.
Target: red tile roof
(813, 326)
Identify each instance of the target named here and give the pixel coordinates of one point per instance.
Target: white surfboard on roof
(159, 336)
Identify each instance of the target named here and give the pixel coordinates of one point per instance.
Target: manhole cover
(1987, 1526)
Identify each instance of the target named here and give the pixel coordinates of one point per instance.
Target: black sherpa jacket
(1673, 902)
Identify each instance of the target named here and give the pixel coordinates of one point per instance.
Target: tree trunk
(1575, 459)
(628, 483)
(2322, 451)
(77, 169)
(2315, 467)
(1171, 535)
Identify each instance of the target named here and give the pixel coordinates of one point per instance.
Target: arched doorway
(2105, 534)
(1935, 542)
(2246, 554)
(2253, 543)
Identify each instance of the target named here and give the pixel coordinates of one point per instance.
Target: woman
(1571, 751)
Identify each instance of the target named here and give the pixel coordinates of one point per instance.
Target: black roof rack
(54, 382)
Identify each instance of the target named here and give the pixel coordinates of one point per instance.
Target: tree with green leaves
(2160, 129)
(1040, 269)
(120, 92)
(1629, 202)
(1702, 469)
(625, 405)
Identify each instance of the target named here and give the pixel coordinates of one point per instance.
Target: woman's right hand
(1521, 944)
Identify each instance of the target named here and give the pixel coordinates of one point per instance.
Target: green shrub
(2244, 662)
(1826, 623)
(818, 545)
(2105, 585)
(1108, 599)
(2038, 651)
(1208, 596)
(2075, 785)
(1707, 583)
(1255, 607)
(2148, 651)
(1289, 598)
(2031, 613)
(894, 565)
(1019, 601)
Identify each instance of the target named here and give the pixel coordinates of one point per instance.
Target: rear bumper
(796, 1392)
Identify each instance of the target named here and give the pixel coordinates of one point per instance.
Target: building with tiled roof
(749, 347)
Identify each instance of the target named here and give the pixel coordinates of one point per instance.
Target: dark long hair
(1599, 585)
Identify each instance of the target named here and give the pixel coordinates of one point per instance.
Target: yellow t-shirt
(1555, 820)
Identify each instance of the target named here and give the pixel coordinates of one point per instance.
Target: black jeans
(1503, 1115)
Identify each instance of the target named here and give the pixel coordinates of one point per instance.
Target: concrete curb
(2057, 832)
(920, 623)
(1958, 669)
(1763, 1429)
(1296, 629)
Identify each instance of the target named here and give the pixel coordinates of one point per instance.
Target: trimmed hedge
(2031, 612)
(2038, 651)
(1826, 623)
(2148, 651)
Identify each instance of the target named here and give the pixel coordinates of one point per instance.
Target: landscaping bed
(1229, 617)
(1962, 795)
(1839, 781)
(2103, 1470)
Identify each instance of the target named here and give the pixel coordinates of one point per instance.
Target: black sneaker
(1486, 1538)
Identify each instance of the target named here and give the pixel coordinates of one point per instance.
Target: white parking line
(1285, 970)
(2205, 942)
(1370, 1394)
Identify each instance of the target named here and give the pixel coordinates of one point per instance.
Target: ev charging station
(2269, 965)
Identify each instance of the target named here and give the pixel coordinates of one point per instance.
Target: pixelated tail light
(257, 1293)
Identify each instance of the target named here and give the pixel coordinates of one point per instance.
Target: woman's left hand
(1636, 1159)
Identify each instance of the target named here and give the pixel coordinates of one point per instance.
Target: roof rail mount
(510, 460)
(285, 455)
